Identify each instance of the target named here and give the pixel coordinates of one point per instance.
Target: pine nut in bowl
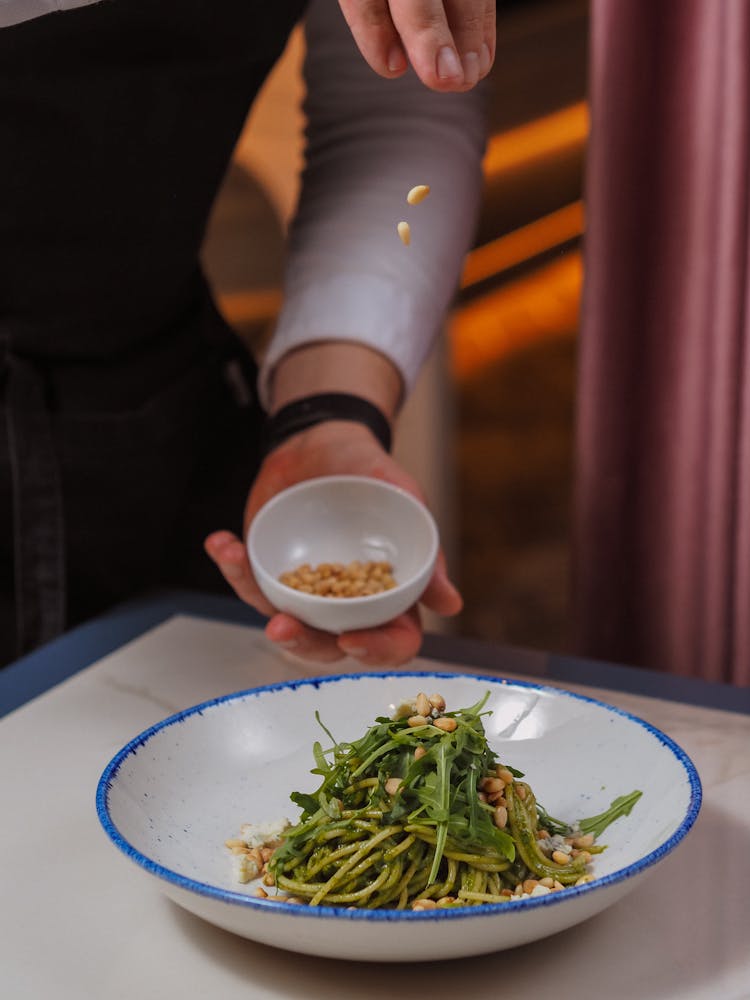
(312, 533)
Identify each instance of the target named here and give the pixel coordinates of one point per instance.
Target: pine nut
(261, 893)
(542, 834)
(530, 884)
(422, 704)
(418, 193)
(560, 858)
(587, 840)
(557, 886)
(446, 724)
(521, 792)
(417, 720)
(504, 775)
(500, 817)
(492, 785)
(548, 882)
(584, 879)
(419, 753)
(235, 842)
(336, 580)
(437, 701)
(404, 232)
(392, 785)
(497, 799)
(423, 904)
(482, 797)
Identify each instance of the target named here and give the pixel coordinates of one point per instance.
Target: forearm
(370, 140)
(336, 366)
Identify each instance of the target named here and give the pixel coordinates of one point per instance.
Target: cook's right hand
(449, 43)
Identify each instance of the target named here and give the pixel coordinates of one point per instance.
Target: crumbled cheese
(244, 868)
(554, 843)
(258, 834)
(404, 710)
(539, 890)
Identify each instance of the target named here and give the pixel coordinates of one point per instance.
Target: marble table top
(75, 922)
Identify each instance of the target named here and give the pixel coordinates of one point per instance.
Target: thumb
(441, 596)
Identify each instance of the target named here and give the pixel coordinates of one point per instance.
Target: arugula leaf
(620, 807)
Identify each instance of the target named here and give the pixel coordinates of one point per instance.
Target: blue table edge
(60, 659)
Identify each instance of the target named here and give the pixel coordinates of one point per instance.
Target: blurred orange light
(537, 307)
(519, 147)
(254, 306)
(523, 244)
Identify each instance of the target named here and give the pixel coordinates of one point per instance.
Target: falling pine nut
(404, 232)
(418, 193)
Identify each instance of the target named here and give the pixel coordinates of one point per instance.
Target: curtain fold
(662, 548)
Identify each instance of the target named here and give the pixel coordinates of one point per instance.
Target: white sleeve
(369, 140)
(15, 11)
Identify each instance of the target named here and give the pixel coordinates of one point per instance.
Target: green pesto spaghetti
(420, 813)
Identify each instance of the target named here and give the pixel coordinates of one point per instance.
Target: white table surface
(78, 921)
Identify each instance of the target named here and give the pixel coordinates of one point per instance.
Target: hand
(329, 449)
(450, 43)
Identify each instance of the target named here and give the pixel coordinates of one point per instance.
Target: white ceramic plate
(171, 797)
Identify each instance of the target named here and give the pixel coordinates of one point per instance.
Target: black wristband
(311, 410)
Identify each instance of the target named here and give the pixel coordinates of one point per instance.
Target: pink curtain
(662, 564)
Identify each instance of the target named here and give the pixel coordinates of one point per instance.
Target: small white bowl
(340, 519)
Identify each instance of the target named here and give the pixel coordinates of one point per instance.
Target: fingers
(390, 645)
(371, 24)
(450, 43)
(304, 642)
(446, 39)
(441, 596)
(473, 25)
(230, 556)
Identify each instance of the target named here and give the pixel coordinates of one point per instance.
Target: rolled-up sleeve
(368, 141)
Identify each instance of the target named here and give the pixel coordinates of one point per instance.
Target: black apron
(122, 443)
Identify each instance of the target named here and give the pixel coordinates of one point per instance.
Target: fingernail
(485, 60)
(355, 651)
(448, 66)
(471, 68)
(396, 59)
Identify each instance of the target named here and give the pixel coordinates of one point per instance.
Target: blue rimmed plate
(171, 797)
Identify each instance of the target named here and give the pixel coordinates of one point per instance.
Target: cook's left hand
(329, 448)
(449, 43)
